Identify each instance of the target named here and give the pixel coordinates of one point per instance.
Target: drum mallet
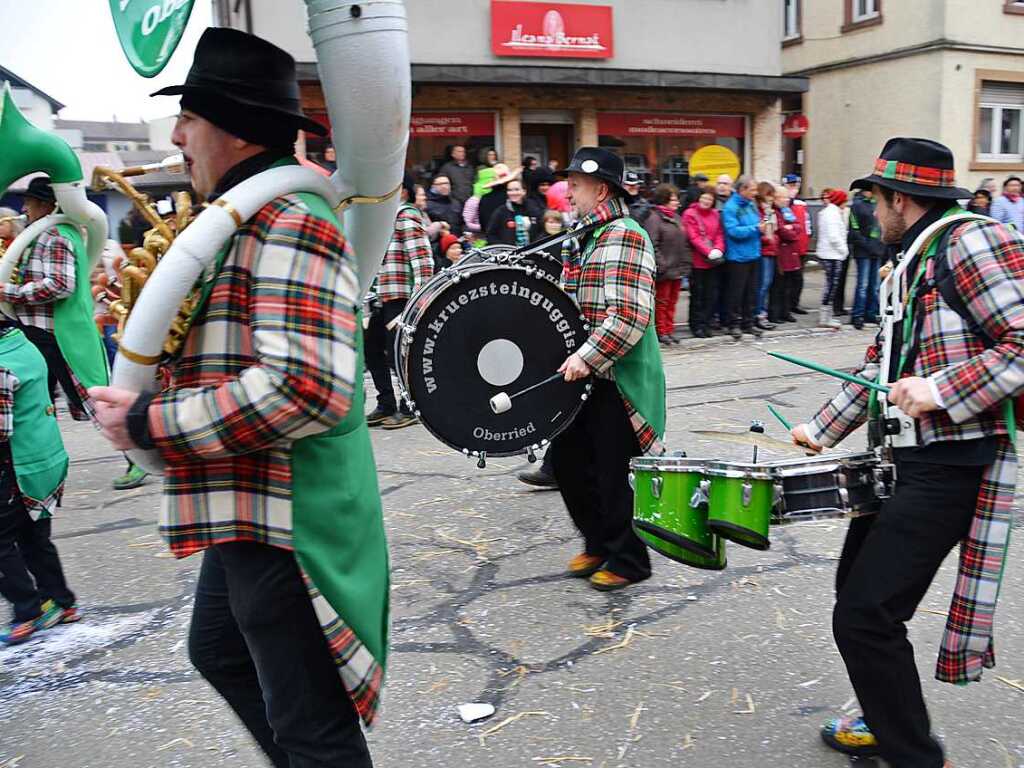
(782, 419)
(832, 372)
(502, 401)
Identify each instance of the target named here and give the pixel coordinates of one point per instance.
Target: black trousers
(57, 367)
(256, 639)
(839, 294)
(591, 463)
(887, 565)
(379, 353)
(703, 297)
(798, 285)
(779, 297)
(743, 284)
(29, 562)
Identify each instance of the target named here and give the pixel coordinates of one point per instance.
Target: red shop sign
(551, 30)
(795, 126)
(665, 124)
(451, 125)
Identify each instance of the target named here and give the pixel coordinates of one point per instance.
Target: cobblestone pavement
(735, 668)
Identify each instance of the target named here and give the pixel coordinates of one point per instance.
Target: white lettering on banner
(559, 41)
(482, 433)
(156, 14)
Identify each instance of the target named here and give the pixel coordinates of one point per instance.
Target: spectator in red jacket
(805, 225)
(787, 259)
(703, 225)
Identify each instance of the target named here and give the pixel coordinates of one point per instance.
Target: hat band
(914, 174)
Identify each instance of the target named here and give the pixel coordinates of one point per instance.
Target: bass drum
(480, 329)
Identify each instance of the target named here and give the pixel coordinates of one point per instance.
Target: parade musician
(625, 413)
(953, 370)
(270, 471)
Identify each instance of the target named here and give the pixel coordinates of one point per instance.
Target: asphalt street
(722, 669)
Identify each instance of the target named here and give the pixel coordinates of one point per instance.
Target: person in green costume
(269, 467)
(33, 466)
(624, 415)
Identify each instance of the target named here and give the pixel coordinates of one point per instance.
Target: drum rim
(703, 567)
(672, 538)
(658, 463)
(726, 469)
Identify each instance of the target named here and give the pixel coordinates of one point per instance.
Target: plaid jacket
(9, 384)
(614, 287)
(46, 274)
(409, 262)
(270, 359)
(987, 260)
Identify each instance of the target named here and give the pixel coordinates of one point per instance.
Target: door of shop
(547, 141)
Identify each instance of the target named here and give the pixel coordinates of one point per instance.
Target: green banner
(149, 31)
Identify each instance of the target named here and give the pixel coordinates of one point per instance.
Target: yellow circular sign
(714, 160)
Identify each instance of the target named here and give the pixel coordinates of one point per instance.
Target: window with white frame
(1000, 121)
(790, 19)
(863, 10)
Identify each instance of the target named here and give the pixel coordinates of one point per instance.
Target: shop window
(861, 13)
(791, 20)
(1000, 113)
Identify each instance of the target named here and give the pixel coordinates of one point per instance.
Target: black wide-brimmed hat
(919, 167)
(599, 163)
(246, 70)
(40, 188)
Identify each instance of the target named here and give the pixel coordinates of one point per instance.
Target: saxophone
(362, 55)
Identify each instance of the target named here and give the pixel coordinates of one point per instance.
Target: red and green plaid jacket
(269, 360)
(987, 260)
(614, 288)
(408, 261)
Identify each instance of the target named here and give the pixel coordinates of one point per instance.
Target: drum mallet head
(502, 402)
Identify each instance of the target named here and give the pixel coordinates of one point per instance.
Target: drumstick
(780, 417)
(502, 401)
(831, 372)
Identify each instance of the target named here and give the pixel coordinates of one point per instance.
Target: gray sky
(69, 49)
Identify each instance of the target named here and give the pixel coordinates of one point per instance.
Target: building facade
(644, 78)
(949, 70)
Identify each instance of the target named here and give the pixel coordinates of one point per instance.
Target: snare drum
(670, 512)
(481, 328)
(740, 501)
(829, 486)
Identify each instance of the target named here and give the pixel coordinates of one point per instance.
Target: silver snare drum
(830, 486)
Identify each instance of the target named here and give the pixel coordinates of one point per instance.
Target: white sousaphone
(363, 59)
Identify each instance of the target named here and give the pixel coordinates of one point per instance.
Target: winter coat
(803, 217)
(639, 208)
(671, 246)
(461, 177)
(788, 257)
(865, 237)
(506, 222)
(832, 234)
(491, 202)
(443, 208)
(740, 218)
(704, 231)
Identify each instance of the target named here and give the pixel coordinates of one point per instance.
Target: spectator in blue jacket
(743, 226)
(1008, 208)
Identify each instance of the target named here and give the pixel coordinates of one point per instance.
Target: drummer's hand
(802, 436)
(913, 396)
(112, 406)
(574, 368)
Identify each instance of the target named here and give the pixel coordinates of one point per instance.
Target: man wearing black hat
(408, 263)
(269, 470)
(955, 361)
(625, 413)
(45, 276)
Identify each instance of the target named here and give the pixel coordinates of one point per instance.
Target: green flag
(149, 31)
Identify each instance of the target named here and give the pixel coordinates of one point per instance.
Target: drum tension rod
(482, 463)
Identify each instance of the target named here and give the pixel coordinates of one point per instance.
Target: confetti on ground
(623, 644)
(562, 759)
(1018, 684)
(13, 762)
(635, 717)
(688, 742)
(1010, 762)
(809, 683)
(704, 697)
(174, 743)
(750, 707)
(509, 720)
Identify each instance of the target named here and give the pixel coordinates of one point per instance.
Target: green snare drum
(740, 502)
(670, 510)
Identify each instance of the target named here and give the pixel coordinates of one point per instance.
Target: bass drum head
(498, 329)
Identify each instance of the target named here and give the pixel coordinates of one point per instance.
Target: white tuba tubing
(82, 211)
(191, 252)
(362, 53)
(13, 253)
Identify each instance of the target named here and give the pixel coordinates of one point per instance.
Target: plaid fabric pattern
(270, 359)
(9, 383)
(408, 262)
(614, 288)
(45, 274)
(987, 260)
(915, 174)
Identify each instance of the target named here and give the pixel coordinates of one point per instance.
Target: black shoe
(376, 417)
(702, 333)
(398, 421)
(790, 319)
(763, 325)
(858, 323)
(538, 478)
(756, 331)
(800, 311)
(736, 333)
